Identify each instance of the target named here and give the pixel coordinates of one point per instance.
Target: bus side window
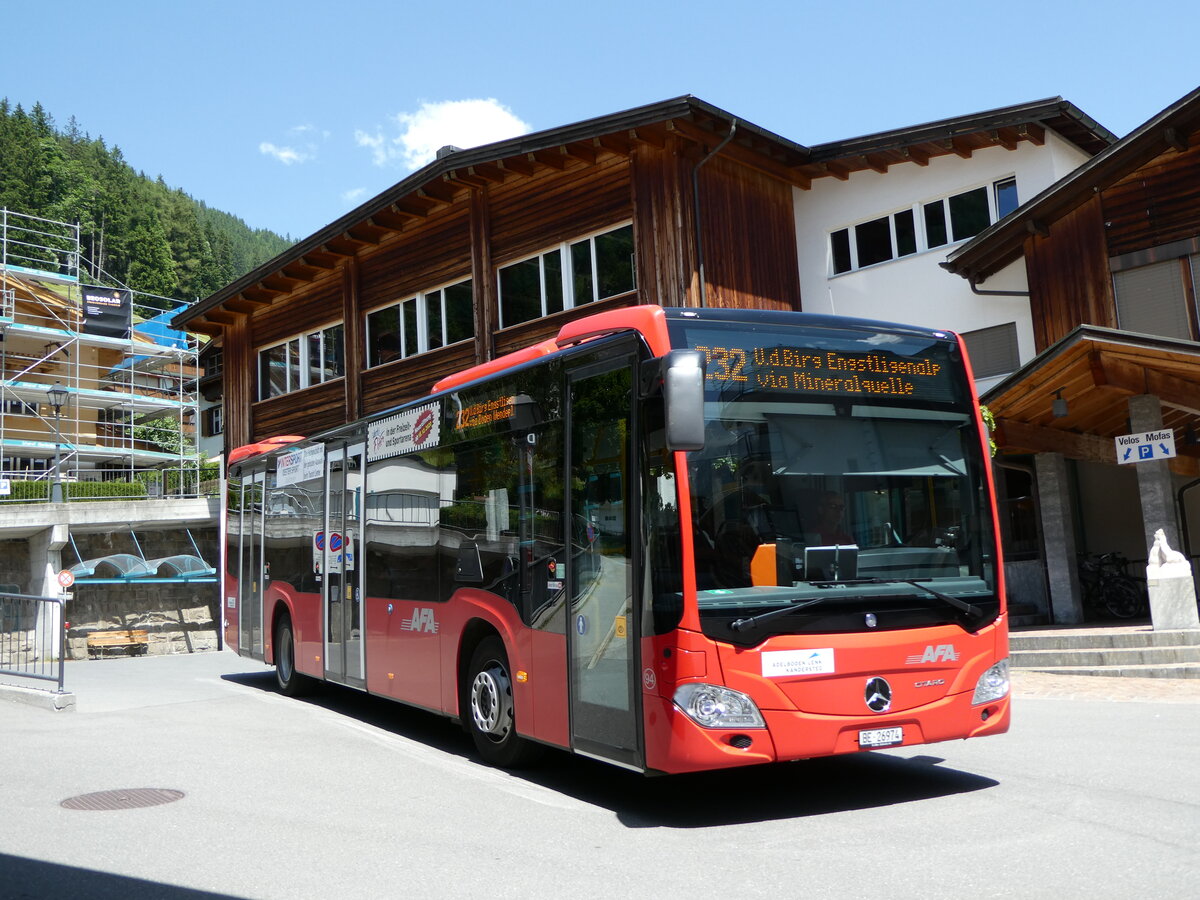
(400, 544)
(478, 535)
(544, 579)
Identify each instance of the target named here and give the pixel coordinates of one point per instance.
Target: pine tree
(133, 230)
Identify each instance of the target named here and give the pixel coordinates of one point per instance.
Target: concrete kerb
(51, 700)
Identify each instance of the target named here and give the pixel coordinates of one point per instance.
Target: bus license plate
(881, 737)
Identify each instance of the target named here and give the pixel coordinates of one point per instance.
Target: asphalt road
(1094, 793)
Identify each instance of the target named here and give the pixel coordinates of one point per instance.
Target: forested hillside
(134, 230)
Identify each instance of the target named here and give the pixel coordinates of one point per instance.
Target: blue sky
(289, 114)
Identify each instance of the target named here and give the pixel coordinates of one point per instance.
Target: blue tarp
(158, 329)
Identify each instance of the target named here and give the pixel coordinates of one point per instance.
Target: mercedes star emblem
(878, 694)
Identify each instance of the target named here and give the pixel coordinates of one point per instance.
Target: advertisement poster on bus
(414, 429)
(300, 465)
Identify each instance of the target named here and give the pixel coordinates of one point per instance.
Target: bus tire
(489, 712)
(291, 683)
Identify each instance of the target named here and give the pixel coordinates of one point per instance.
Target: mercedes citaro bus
(670, 539)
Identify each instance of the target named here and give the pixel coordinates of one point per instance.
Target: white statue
(1161, 553)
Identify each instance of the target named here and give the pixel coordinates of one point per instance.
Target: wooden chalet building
(490, 249)
(1112, 255)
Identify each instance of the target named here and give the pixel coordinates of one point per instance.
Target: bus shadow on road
(410, 722)
(802, 789)
(749, 794)
(756, 793)
(25, 877)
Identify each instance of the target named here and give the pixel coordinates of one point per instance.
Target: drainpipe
(982, 293)
(696, 209)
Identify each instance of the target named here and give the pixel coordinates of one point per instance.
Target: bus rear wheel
(291, 683)
(489, 715)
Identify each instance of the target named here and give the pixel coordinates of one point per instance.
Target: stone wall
(14, 565)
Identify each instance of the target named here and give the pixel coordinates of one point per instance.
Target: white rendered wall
(915, 289)
(212, 447)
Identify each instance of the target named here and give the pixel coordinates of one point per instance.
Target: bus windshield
(841, 478)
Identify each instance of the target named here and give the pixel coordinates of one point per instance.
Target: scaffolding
(126, 424)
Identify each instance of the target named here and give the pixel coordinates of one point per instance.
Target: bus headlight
(992, 684)
(718, 707)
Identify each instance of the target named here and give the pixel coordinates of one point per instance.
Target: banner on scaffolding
(107, 312)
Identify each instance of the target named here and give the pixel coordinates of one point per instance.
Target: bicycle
(1107, 585)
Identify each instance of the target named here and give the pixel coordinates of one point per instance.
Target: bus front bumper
(677, 744)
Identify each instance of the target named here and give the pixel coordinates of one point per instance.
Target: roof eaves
(1097, 333)
(634, 118)
(1038, 111)
(1002, 242)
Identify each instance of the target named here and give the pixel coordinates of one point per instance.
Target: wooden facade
(709, 199)
(1069, 279)
(469, 221)
(1135, 204)
(1157, 204)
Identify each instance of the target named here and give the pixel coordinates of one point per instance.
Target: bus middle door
(341, 567)
(251, 568)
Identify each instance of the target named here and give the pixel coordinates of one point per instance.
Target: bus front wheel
(489, 715)
(291, 683)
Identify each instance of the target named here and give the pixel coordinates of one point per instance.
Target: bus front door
(251, 569)
(604, 621)
(341, 567)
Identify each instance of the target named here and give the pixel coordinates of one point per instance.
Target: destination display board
(802, 361)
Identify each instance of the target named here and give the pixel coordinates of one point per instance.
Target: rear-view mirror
(683, 399)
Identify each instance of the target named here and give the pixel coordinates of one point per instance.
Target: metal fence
(31, 638)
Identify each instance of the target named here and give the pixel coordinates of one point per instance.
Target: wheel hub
(491, 701)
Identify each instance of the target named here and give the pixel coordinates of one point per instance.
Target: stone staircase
(1139, 651)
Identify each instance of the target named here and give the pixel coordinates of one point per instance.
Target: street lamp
(57, 396)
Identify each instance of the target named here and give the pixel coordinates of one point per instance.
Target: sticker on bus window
(788, 663)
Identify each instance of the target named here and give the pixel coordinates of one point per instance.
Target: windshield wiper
(963, 605)
(749, 622)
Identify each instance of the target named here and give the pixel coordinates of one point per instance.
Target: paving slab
(1046, 685)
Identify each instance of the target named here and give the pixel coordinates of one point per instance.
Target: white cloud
(304, 146)
(353, 194)
(462, 123)
(377, 143)
(285, 155)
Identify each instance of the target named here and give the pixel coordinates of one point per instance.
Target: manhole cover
(133, 798)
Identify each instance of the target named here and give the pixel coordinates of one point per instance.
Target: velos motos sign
(1147, 446)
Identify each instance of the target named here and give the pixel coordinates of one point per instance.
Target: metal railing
(32, 638)
(86, 485)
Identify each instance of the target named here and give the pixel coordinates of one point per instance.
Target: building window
(213, 364)
(1006, 197)
(569, 275)
(430, 320)
(24, 465)
(1154, 299)
(921, 227)
(20, 408)
(214, 421)
(993, 351)
(303, 361)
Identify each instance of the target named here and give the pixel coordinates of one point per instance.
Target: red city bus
(671, 539)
